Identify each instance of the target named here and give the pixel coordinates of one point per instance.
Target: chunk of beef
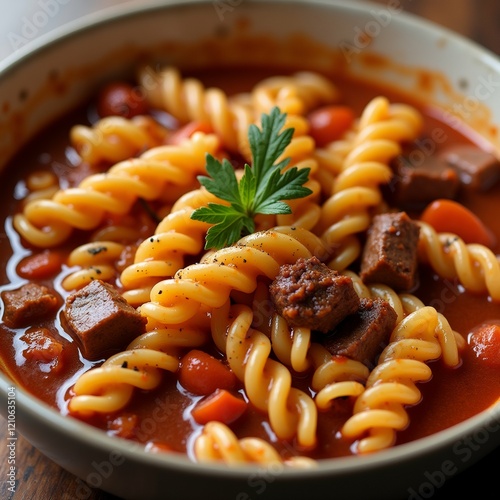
(476, 168)
(363, 336)
(102, 319)
(28, 303)
(310, 294)
(416, 184)
(390, 252)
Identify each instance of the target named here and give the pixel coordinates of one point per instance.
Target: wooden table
(39, 478)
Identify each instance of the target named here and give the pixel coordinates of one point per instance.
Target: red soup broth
(451, 396)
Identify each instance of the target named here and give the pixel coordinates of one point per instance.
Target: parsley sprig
(261, 189)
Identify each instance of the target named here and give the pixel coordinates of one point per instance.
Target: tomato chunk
(485, 342)
(188, 130)
(121, 99)
(41, 265)
(222, 406)
(330, 123)
(43, 348)
(124, 426)
(201, 373)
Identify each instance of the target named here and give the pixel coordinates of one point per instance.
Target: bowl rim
(118, 12)
(52, 418)
(98, 439)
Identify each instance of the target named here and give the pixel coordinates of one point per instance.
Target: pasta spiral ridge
(50, 222)
(347, 212)
(218, 443)
(161, 255)
(115, 138)
(295, 94)
(335, 376)
(268, 383)
(210, 282)
(305, 211)
(476, 266)
(94, 260)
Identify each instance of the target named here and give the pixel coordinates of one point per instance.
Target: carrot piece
(329, 123)
(221, 406)
(485, 342)
(448, 216)
(41, 265)
(201, 373)
(188, 130)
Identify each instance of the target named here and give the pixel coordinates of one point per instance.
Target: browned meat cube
(476, 168)
(363, 336)
(415, 185)
(390, 252)
(102, 319)
(310, 294)
(30, 302)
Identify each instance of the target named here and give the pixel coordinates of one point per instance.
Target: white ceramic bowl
(83, 54)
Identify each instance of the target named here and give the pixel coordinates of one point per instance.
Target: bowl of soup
(250, 249)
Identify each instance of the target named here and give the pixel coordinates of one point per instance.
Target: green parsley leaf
(261, 189)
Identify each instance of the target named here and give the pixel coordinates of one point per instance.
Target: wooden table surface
(41, 479)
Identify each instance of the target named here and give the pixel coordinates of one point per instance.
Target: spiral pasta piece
(268, 383)
(109, 387)
(218, 443)
(475, 266)
(421, 336)
(210, 282)
(347, 212)
(50, 222)
(187, 99)
(115, 138)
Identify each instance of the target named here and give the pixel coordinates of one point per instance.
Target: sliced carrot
(329, 123)
(485, 342)
(222, 406)
(448, 216)
(201, 373)
(188, 130)
(41, 265)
